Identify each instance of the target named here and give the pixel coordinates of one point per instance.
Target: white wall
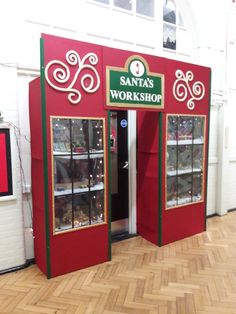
(216, 29)
(12, 252)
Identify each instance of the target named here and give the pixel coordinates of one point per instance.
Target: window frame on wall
(134, 6)
(174, 23)
(6, 150)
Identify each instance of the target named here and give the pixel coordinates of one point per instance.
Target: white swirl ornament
(61, 74)
(182, 89)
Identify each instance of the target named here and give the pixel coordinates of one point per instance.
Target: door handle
(125, 165)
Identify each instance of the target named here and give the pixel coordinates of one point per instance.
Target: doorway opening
(119, 174)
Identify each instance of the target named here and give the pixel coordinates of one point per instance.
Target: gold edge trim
(204, 159)
(184, 205)
(56, 233)
(203, 162)
(52, 175)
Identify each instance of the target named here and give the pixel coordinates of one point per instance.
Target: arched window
(172, 22)
(165, 26)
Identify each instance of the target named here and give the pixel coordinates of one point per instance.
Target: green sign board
(134, 86)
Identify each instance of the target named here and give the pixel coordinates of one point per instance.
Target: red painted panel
(148, 132)
(194, 74)
(186, 220)
(39, 228)
(147, 207)
(147, 179)
(3, 163)
(57, 103)
(81, 248)
(182, 222)
(118, 58)
(85, 247)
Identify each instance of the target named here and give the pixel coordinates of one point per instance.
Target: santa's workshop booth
(70, 146)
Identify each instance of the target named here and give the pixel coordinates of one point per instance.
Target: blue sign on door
(123, 123)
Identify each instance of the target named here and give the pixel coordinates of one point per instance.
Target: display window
(78, 172)
(184, 160)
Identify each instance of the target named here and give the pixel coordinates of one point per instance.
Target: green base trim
(45, 157)
(160, 180)
(109, 184)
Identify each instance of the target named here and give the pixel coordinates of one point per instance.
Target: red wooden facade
(69, 251)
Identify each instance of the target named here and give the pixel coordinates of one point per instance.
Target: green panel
(133, 90)
(109, 185)
(45, 157)
(160, 180)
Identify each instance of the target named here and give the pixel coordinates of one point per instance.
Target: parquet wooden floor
(196, 275)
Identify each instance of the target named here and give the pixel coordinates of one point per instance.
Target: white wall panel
(232, 122)
(213, 161)
(230, 198)
(211, 187)
(231, 62)
(12, 252)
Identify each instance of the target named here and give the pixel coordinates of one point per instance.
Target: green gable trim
(45, 158)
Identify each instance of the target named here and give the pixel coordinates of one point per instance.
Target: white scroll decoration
(183, 89)
(61, 74)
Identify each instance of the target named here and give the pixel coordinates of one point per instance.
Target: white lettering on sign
(136, 81)
(135, 96)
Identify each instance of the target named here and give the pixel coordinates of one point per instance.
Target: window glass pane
(145, 7)
(79, 131)
(80, 174)
(184, 189)
(96, 173)
(198, 132)
(61, 135)
(184, 159)
(171, 160)
(95, 136)
(185, 129)
(97, 207)
(63, 213)
(124, 4)
(81, 210)
(197, 187)
(169, 11)
(169, 36)
(197, 157)
(171, 191)
(172, 129)
(62, 175)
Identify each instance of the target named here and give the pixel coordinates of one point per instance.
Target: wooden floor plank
(196, 275)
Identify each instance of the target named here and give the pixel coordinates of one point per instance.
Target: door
(119, 172)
